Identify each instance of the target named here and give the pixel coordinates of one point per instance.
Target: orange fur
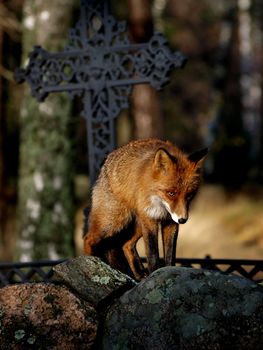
(148, 183)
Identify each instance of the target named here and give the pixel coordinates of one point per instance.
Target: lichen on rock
(189, 309)
(174, 308)
(45, 316)
(92, 279)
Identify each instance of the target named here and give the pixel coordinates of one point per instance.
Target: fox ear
(162, 160)
(198, 156)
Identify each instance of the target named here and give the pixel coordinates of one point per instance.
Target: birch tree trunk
(45, 178)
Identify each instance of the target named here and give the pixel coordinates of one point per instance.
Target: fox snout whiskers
(182, 220)
(177, 219)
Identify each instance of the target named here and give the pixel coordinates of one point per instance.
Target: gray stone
(187, 309)
(45, 316)
(92, 279)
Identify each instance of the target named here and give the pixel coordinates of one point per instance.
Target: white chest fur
(156, 210)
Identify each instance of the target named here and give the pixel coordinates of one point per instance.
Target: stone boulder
(187, 309)
(92, 306)
(92, 279)
(63, 314)
(45, 316)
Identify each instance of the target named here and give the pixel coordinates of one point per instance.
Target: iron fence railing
(251, 269)
(41, 271)
(27, 272)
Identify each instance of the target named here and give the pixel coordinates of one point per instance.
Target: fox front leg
(132, 256)
(170, 235)
(149, 231)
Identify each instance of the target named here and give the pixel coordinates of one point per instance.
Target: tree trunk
(7, 194)
(45, 179)
(145, 105)
(259, 11)
(232, 144)
(2, 202)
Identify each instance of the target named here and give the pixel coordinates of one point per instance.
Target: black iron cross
(100, 65)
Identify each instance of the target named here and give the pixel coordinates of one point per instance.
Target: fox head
(176, 181)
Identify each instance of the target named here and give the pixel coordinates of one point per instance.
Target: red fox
(145, 185)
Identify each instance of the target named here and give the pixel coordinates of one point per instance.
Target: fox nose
(182, 220)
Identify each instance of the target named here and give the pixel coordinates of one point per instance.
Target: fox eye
(171, 193)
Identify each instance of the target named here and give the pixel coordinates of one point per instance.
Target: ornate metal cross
(100, 65)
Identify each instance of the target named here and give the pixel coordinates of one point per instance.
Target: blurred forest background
(215, 101)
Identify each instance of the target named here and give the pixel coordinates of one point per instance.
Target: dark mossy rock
(187, 309)
(45, 316)
(92, 279)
